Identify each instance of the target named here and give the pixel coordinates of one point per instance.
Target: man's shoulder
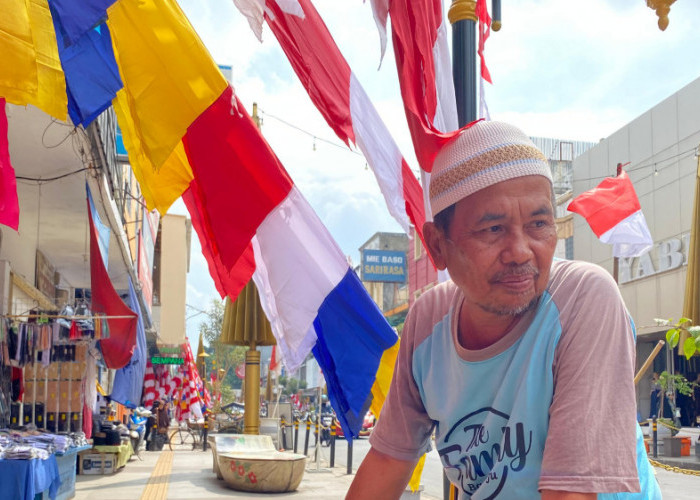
(440, 296)
(431, 308)
(577, 276)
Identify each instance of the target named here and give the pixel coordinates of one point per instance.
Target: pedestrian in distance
(522, 365)
(655, 396)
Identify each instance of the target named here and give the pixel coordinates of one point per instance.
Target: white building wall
(661, 147)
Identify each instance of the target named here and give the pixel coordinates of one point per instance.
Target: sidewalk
(189, 475)
(691, 462)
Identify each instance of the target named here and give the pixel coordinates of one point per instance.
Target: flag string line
(63, 316)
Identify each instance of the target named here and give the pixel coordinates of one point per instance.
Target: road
(674, 486)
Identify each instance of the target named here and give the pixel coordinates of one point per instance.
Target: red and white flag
(275, 362)
(613, 211)
(149, 385)
(340, 98)
(419, 34)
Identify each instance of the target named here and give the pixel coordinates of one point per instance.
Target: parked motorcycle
(137, 428)
(326, 422)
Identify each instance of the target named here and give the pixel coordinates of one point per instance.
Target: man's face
(499, 245)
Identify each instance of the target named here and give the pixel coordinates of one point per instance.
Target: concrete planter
(264, 472)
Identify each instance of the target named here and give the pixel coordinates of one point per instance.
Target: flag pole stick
(648, 361)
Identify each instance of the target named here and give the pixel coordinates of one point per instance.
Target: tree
(221, 356)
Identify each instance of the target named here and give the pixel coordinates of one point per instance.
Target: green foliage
(290, 385)
(691, 344)
(668, 382)
(221, 356)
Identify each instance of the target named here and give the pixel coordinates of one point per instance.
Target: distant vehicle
(367, 426)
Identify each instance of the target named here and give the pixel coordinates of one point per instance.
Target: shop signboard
(45, 276)
(666, 255)
(167, 360)
(386, 266)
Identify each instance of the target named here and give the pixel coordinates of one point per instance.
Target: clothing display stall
(41, 410)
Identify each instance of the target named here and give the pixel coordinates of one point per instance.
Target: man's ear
(436, 243)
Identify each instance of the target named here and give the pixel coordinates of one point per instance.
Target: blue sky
(577, 70)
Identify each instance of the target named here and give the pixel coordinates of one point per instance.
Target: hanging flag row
(141, 56)
(339, 96)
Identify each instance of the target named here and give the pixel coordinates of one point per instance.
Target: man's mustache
(515, 271)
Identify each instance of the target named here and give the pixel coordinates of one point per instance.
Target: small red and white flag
(275, 362)
(613, 211)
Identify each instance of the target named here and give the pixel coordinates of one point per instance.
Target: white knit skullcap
(480, 156)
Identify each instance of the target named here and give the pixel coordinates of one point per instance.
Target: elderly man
(522, 366)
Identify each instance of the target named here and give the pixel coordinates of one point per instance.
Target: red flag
(613, 211)
(9, 203)
(240, 371)
(226, 282)
(482, 13)
(425, 72)
(237, 173)
(118, 348)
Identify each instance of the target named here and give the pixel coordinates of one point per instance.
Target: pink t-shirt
(549, 406)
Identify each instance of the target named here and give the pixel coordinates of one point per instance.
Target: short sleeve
(404, 428)
(591, 441)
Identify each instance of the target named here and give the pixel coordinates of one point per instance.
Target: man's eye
(494, 229)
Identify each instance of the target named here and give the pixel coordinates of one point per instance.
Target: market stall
(46, 371)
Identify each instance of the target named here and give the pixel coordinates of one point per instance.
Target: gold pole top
(496, 25)
(662, 8)
(462, 10)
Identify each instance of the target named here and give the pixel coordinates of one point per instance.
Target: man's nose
(517, 249)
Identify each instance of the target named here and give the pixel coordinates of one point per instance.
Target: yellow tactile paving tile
(157, 486)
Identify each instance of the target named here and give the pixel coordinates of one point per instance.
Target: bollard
(296, 434)
(656, 442)
(349, 467)
(316, 424)
(333, 443)
(151, 445)
(283, 424)
(308, 433)
(449, 490)
(205, 433)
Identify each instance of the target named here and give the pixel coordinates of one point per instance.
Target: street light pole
(462, 16)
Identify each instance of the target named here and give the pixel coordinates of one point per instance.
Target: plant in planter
(673, 382)
(670, 384)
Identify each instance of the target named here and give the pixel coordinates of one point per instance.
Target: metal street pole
(462, 16)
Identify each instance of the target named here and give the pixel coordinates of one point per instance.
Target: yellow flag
(51, 96)
(18, 69)
(382, 381)
(160, 188)
(380, 389)
(30, 72)
(169, 76)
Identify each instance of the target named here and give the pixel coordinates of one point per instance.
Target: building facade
(660, 153)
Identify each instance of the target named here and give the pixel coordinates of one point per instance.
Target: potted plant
(672, 383)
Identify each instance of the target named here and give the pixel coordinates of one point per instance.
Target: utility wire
(310, 134)
(42, 180)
